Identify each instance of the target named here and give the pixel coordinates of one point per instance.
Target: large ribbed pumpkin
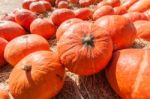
(21, 46)
(9, 30)
(39, 75)
(129, 72)
(85, 49)
(143, 29)
(3, 43)
(122, 31)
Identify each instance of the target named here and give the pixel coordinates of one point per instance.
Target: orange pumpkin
(85, 3)
(39, 75)
(140, 6)
(46, 4)
(21, 46)
(127, 3)
(66, 25)
(100, 4)
(57, 1)
(9, 30)
(102, 11)
(8, 17)
(120, 10)
(128, 73)
(37, 7)
(134, 16)
(83, 13)
(120, 29)
(3, 43)
(113, 3)
(73, 1)
(26, 3)
(85, 49)
(24, 17)
(43, 27)
(63, 4)
(143, 29)
(60, 15)
(4, 95)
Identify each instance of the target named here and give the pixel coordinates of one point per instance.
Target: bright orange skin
(46, 75)
(120, 10)
(147, 13)
(60, 15)
(8, 17)
(57, 1)
(83, 13)
(4, 95)
(37, 7)
(22, 46)
(85, 3)
(26, 3)
(46, 4)
(65, 26)
(127, 3)
(24, 17)
(43, 27)
(128, 73)
(140, 6)
(10, 30)
(113, 3)
(80, 58)
(51, 1)
(63, 4)
(100, 4)
(134, 16)
(120, 29)
(143, 29)
(103, 11)
(3, 43)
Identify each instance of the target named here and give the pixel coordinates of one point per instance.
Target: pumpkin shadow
(96, 87)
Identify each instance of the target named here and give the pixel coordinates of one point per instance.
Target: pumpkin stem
(88, 40)
(27, 67)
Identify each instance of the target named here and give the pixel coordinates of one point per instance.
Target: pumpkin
(127, 3)
(128, 73)
(57, 1)
(9, 30)
(140, 6)
(134, 16)
(83, 13)
(26, 3)
(42, 27)
(24, 17)
(102, 11)
(113, 3)
(60, 15)
(84, 48)
(120, 10)
(38, 7)
(8, 17)
(100, 4)
(63, 4)
(120, 29)
(143, 29)
(39, 75)
(50, 1)
(4, 95)
(73, 1)
(46, 4)
(66, 25)
(3, 43)
(21, 46)
(85, 3)
(147, 13)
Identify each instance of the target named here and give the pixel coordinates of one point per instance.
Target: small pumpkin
(43, 27)
(128, 73)
(26, 3)
(21, 46)
(39, 75)
(140, 6)
(46, 4)
(4, 94)
(143, 29)
(127, 3)
(24, 17)
(85, 3)
(120, 29)
(113, 3)
(60, 15)
(63, 4)
(100, 4)
(66, 25)
(102, 11)
(134, 16)
(83, 13)
(84, 48)
(10, 30)
(3, 44)
(57, 1)
(120, 10)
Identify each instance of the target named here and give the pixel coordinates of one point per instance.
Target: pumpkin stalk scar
(88, 40)
(27, 68)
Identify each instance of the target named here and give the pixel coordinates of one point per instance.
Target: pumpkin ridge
(138, 79)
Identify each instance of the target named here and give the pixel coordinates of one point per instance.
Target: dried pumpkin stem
(88, 40)
(27, 67)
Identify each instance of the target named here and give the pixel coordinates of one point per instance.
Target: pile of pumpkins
(91, 35)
